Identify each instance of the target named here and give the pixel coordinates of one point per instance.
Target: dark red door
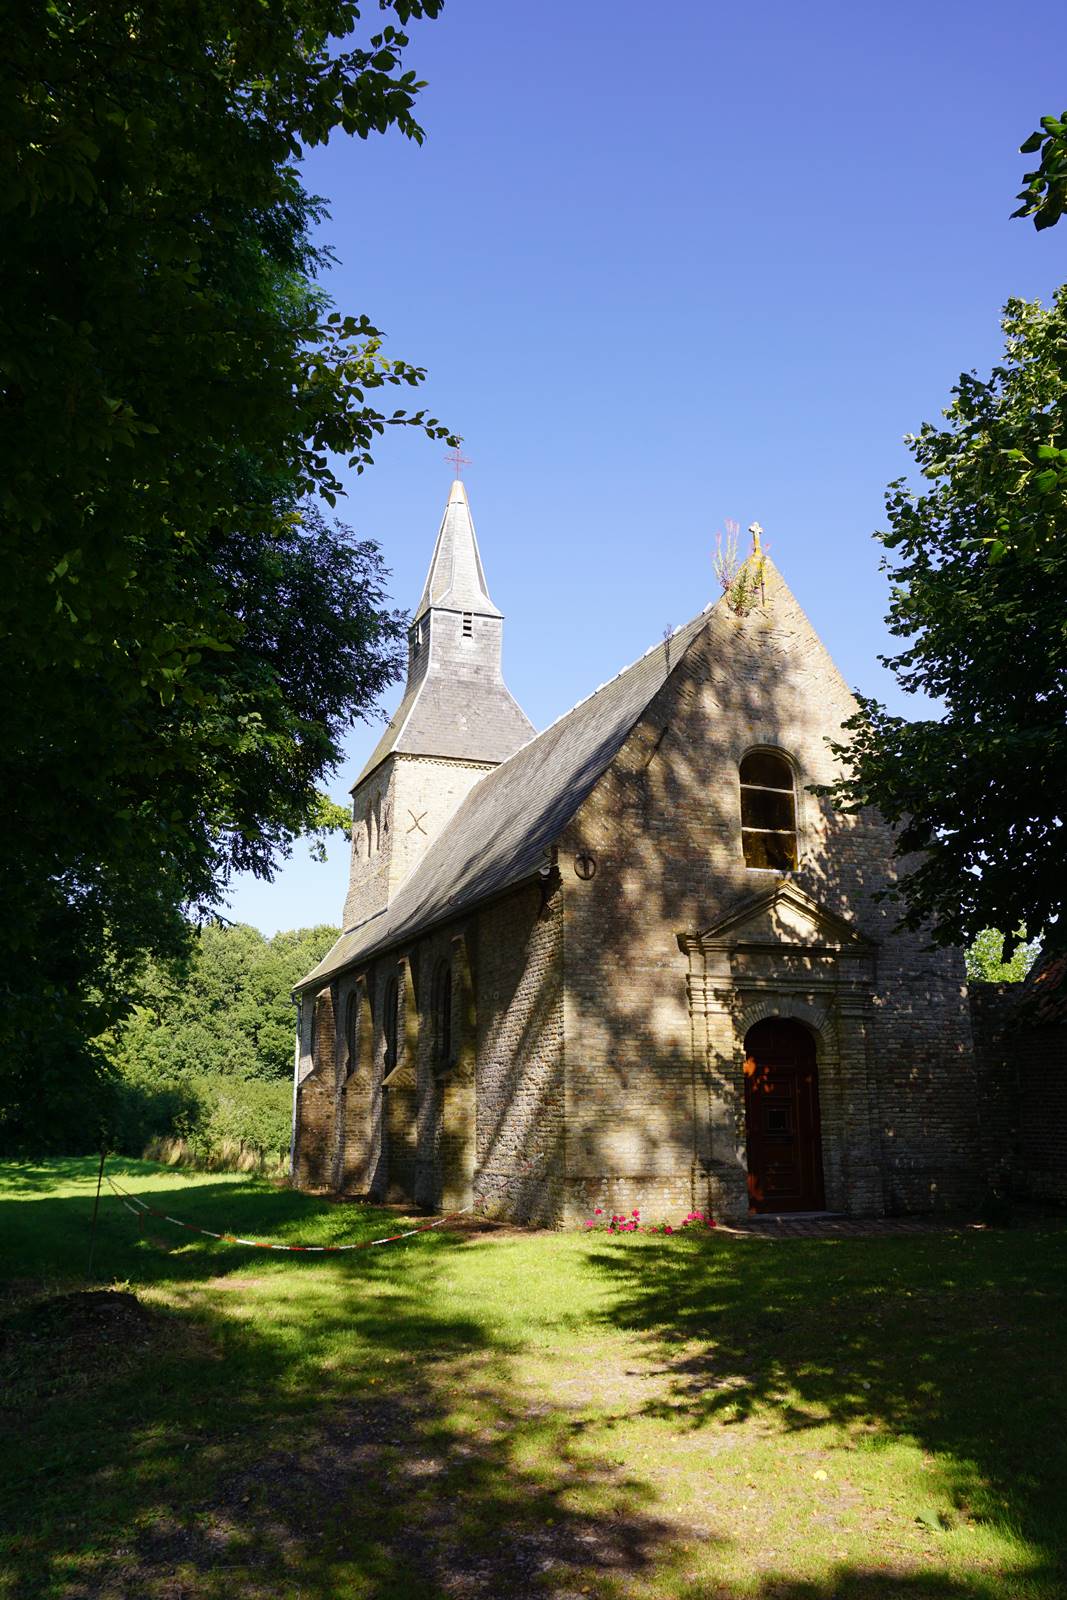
(782, 1117)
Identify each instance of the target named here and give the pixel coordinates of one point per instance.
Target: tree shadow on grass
(870, 1583)
(345, 1427)
(334, 1428)
(53, 1231)
(19, 1178)
(955, 1341)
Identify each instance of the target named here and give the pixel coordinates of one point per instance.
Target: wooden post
(96, 1207)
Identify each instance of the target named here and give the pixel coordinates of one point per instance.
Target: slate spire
(456, 705)
(456, 579)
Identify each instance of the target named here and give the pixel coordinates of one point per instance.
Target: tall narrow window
(442, 1016)
(352, 1031)
(468, 625)
(322, 1036)
(768, 812)
(390, 1026)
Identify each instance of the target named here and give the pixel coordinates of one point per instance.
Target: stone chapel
(630, 960)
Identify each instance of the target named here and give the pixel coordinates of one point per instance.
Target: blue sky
(667, 267)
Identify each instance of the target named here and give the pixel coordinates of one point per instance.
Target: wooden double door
(782, 1118)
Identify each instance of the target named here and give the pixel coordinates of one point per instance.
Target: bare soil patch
(56, 1344)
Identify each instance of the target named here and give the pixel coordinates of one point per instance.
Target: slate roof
(1044, 993)
(499, 835)
(451, 716)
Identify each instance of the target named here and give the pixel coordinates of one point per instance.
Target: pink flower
(598, 1212)
(668, 1228)
(635, 1213)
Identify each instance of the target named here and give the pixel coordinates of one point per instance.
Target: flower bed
(621, 1222)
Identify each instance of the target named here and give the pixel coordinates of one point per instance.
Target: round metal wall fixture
(584, 865)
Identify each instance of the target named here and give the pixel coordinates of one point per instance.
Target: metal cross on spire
(458, 459)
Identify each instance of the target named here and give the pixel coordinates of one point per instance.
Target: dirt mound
(61, 1342)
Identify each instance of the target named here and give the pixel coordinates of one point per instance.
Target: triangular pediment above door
(784, 915)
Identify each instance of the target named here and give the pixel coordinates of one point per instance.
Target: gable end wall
(654, 1068)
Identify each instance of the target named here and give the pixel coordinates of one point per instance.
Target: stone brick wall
(518, 966)
(654, 1121)
(426, 792)
(316, 1096)
(359, 1111)
(371, 849)
(996, 1067)
(483, 1128)
(1041, 1164)
(415, 796)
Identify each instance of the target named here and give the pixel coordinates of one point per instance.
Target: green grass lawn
(508, 1414)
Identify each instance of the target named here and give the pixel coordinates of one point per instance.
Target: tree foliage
(206, 1053)
(183, 636)
(978, 565)
(227, 1013)
(1044, 191)
(986, 962)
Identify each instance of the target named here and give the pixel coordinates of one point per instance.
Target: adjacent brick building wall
(1022, 1067)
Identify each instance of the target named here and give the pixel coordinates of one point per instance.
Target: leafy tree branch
(184, 637)
(977, 561)
(1044, 192)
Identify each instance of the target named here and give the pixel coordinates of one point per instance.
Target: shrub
(208, 1121)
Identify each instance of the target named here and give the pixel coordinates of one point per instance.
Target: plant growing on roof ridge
(741, 581)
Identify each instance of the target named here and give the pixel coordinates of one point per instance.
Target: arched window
(442, 1016)
(768, 812)
(391, 1025)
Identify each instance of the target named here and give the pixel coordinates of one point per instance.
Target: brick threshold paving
(830, 1225)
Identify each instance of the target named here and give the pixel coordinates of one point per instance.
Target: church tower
(456, 721)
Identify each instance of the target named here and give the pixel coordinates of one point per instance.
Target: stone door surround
(782, 954)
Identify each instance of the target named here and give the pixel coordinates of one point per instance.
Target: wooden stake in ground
(96, 1208)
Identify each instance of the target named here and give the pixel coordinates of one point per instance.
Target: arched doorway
(782, 1118)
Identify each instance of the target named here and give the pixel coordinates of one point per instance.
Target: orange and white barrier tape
(140, 1208)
